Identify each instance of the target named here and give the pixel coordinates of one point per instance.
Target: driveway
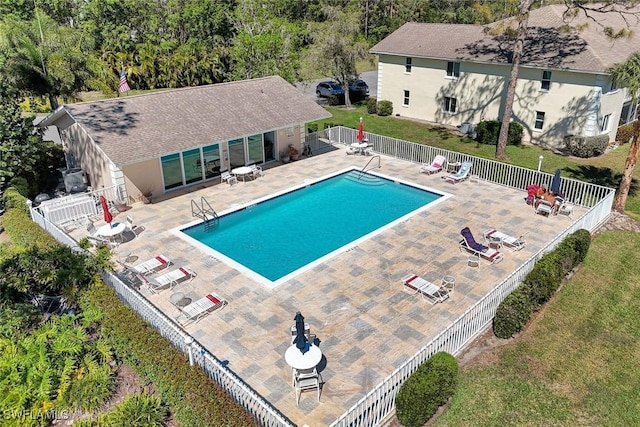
(309, 87)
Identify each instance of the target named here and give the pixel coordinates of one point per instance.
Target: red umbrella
(105, 209)
(360, 136)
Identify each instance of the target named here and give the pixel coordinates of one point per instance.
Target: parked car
(328, 88)
(359, 88)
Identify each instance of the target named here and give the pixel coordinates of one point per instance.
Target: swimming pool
(279, 236)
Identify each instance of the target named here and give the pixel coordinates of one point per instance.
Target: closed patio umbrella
(105, 209)
(555, 183)
(300, 340)
(360, 135)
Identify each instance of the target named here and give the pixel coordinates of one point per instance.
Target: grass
(604, 170)
(577, 364)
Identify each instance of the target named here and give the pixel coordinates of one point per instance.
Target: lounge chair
(461, 175)
(435, 166)
(431, 293)
(200, 308)
(468, 243)
(167, 280)
(504, 239)
(545, 208)
(149, 266)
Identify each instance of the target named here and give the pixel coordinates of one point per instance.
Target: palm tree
(627, 74)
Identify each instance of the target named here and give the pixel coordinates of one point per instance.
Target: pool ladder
(364, 169)
(205, 212)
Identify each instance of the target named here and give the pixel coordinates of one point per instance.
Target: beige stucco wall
(143, 177)
(293, 135)
(88, 156)
(479, 91)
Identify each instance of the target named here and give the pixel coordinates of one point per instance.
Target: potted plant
(292, 152)
(146, 196)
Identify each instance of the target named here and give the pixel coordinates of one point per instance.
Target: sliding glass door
(254, 148)
(236, 153)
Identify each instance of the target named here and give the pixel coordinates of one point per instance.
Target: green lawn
(577, 364)
(604, 170)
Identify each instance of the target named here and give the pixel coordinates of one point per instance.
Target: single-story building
(154, 143)
(454, 74)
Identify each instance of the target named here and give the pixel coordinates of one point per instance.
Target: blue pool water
(280, 235)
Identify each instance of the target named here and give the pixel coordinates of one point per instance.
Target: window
(613, 86)
(453, 69)
(450, 104)
(604, 126)
(546, 80)
(405, 101)
(407, 65)
(539, 120)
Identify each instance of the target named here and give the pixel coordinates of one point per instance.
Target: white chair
(435, 166)
(129, 224)
(230, 179)
(167, 280)
(307, 379)
(256, 171)
(200, 308)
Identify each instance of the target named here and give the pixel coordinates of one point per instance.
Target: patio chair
(230, 179)
(461, 175)
(200, 308)
(435, 166)
(149, 266)
(515, 243)
(468, 243)
(256, 171)
(102, 241)
(431, 293)
(167, 280)
(545, 208)
(308, 379)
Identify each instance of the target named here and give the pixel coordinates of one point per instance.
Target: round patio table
(111, 230)
(242, 172)
(294, 357)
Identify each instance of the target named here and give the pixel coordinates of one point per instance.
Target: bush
(488, 131)
(586, 146)
(138, 410)
(18, 224)
(580, 241)
(335, 99)
(372, 106)
(21, 185)
(429, 387)
(385, 108)
(545, 278)
(512, 313)
(313, 127)
(624, 134)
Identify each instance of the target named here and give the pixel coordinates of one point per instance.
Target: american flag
(123, 86)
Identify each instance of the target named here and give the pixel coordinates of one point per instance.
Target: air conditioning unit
(466, 128)
(75, 180)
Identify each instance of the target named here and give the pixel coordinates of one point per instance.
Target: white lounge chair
(435, 166)
(149, 266)
(461, 175)
(413, 283)
(200, 308)
(468, 243)
(167, 280)
(512, 242)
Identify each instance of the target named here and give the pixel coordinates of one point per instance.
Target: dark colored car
(359, 88)
(328, 88)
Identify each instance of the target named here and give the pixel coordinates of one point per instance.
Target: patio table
(294, 357)
(242, 172)
(111, 231)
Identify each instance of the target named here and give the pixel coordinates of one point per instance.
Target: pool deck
(354, 302)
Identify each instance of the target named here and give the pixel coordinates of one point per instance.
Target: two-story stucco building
(454, 74)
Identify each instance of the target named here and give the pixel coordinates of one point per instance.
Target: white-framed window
(606, 122)
(539, 120)
(407, 65)
(545, 83)
(453, 69)
(450, 105)
(405, 99)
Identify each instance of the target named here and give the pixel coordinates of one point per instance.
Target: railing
(250, 400)
(379, 403)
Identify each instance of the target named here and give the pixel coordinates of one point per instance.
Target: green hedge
(372, 105)
(18, 224)
(586, 146)
(193, 397)
(428, 388)
(624, 133)
(385, 108)
(541, 283)
(487, 132)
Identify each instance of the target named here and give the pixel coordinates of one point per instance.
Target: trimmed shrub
(624, 134)
(385, 108)
(19, 226)
(429, 387)
(580, 241)
(487, 132)
(372, 106)
(513, 313)
(586, 146)
(21, 185)
(545, 277)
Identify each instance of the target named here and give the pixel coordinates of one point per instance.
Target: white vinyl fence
(379, 403)
(251, 401)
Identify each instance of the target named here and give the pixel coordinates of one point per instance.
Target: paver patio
(354, 302)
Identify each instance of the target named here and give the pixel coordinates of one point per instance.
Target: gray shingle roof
(547, 44)
(131, 129)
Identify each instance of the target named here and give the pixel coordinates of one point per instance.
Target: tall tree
(20, 148)
(337, 46)
(522, 20)
(627, 74)
(43, 58)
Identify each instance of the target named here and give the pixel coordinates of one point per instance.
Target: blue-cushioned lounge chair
(469, 244)
(461, 175)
